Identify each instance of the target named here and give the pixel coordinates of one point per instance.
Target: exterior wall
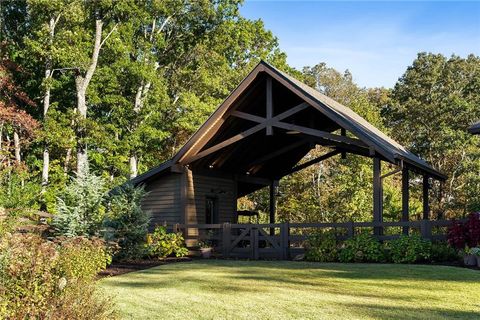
(163, 200)
(199, 187)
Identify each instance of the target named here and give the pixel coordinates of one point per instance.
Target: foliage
(80, 211)
(82, 258)
(441, 252)
(468, 233)
(410, 249)
(41, 279)
(472, 229)
(17, 188)
(475, 251)
(126, 221)
(456, 235)
(322, 247)
(362, 247)
(430, 109)
(162, 244)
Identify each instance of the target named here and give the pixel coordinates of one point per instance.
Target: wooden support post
(377, 195)
(343, 132)
(254, 243)
(284, 240)
(269, 105)
(426, 206)
(426, 229)
(226, 239)
(273, 205)
(405, 199)
(350, 230)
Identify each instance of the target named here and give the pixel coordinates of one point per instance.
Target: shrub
(127, 223)
(79, 209)
(442, 251)
(82, 258)
(410, 249)
(40, 279)
(468, 233)
(456, 235)
(361, 248)
(472, 229)
(162, 244)
(322, 247)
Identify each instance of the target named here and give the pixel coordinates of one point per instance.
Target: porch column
(405, 198)
(377, 196)
(426, 206)
(273, 204)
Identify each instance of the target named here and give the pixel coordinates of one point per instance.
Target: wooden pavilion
(257, 136)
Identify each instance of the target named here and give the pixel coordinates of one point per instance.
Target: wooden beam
(247, 116)
(245, 133)
(281, 116)
(278, 152)
(313, 161)
(225, 143)
(253, 180)
(269, 105)
(426, 205)
(320, 134)
(343, 132)
(211, 126)
(272, 204)
(405, 198)
(377, 195)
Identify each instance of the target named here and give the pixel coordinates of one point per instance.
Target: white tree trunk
(46, 102)
(81, 84)
(133, 166)
(16, 143)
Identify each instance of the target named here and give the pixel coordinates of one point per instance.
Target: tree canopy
(123, 84)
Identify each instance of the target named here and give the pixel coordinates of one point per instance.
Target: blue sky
(376, 40)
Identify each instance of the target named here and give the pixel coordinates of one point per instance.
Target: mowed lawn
(219, 289)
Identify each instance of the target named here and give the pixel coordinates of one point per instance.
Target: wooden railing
(284, 240)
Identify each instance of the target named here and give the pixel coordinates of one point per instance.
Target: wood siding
(163, 200)
(199, 187)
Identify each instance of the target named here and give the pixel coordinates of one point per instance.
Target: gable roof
(346, 118)
(475, 128)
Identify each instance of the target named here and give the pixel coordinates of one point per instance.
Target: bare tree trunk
(68, 157)
(81, 85)
(133, 166)
(46, 101)
(16, 143)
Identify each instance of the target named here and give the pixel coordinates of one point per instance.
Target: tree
(432, 105)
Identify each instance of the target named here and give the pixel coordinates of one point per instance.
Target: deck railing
(285, 240)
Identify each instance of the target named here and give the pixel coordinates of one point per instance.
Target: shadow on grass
(405, 313)
(230, 276)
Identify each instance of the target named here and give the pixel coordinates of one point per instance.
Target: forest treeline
(118, 86)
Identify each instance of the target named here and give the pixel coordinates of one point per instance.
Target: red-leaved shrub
(456, 235)
(472, 229)
(467, 233)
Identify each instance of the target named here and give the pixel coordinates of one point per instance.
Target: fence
(285, 240)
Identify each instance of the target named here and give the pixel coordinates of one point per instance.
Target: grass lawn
(218, 289)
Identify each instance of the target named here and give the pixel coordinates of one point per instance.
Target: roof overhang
(217, 137)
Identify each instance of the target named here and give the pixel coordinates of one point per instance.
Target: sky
(376, 40)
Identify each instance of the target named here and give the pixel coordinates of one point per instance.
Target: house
(257, 136)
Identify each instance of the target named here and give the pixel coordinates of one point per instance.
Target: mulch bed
(123, 267)
(116, 269)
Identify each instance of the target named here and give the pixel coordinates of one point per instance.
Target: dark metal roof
(475, 128)
(322, 113)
